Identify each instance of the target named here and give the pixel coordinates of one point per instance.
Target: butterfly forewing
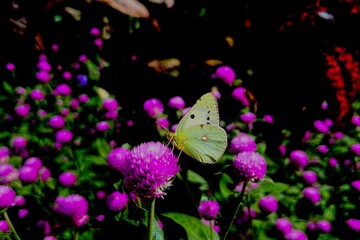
(206, 143)
(205, 111)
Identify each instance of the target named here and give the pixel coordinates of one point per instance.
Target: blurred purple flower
(355, 120)
(23, 213)
(75, 206)
(311, 226)
(57, 122)
(282, 149)
(321, 126)
(43, 76)
(33, 162)
(323, 148)
(22, 110)
(84, 98)
(116, 201)
(44, 173)
(153, 107)
(110, 104)
(66, 75)
(67, 179)
(248, 117)
(249, 166)
(8, 173)
(37, 94)
(7, 196)
(299, 159)
(28, 174)
(313, 194)
(309, 176)
(283, 225)
(225, 73)
(102, 126)
(10, 66)
(242, 143)
(354, 224)
(163, 122)
(118, 157)
(19, 201)
(150, 170)
(307, 136)
(324, 226)
(239, 94)
(209, 209)
(43, 65)
(269, 119)
(215, 226)
(333, 162)
(296, 234)
(268, 204)
(100, 218)
(176, 102)
(356, 184)
(355, 148)
(63, 136)
(4, 226)
(4, 154)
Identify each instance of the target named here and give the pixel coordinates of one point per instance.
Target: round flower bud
(250, 166)
(153, 107)
(242, 143)
(22, 110)
(43, 76)
(311, 226)
(8, 173)
(324, 226)
(37, 94)
(33, 162)
(268, 204)
(102, 126)
(299, 159)
(118, 157)
(110, 104)
(209, 209)
(248, 117)
(333, 162)
(7, 196)
(23, 213)
(356, 185)
(313, 194)
(239, 94)
(355, 120)
(323, 148)
(4, 226)
(283, 225)
(269, 119)
(310, 177)
(116, 201)
(62, 89)
(321, 126)
(10, 66)
(74, 206)
(28, 174)
(355, 148)
(163, 122)
(354, 224)
(84, 98)
(63, 136)
(19, 142)
(44, 173)
(57, 122)
(296, 234)
(176, 102)
(225, 73)
(67, 179)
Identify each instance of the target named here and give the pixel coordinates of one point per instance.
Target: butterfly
(198, 133)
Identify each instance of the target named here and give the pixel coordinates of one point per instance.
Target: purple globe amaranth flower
(28, 174)
(296, 234)
(116, 201)
(75, 206)
(312, 194)
(239, 94)
(95, 31)
(67, 179)
(19, 201)
(338, 135)
(246, 215)
(307, 136)
(100, 218)
(176, 102)
(62, 89)
(324, 226)
(355, 148)
(354, 224)
(43, 76)
(242, 143)
(19, 142)
(283, 225)
(282, 149)
(163, 122)
(248, 117)
(323, 148)
(23, 213)
(249, 166)
(324, 105)
(63, 136)
(150, 170)
(111, 115)
(209, 209)
(225, 73)
(268, 204)
(74, 104)
(100, 194)
(269, 119)
(118, 157)
(57, 122)
(8, 173)
(355, 120)
(83, 98)
(10, 66)
(33, 162)
(311, 226)
(321, 126)
(7, 196)
(102, 126)
(216, 227)
(299, 159)
(50, 237)
(309, 176)
(44, 173)
(356, 185)
(153, 107)
(37, 94)
(110, 104)
(44, 65)
(22, 110)
(4, 226)
(333, 162)
(4, 154)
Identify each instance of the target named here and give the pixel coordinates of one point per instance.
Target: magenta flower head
(176, 102)
(269, 119)
(22, 110)
(83, 98)
(102, 126)
(323, 148)
(116, 201)
(309, 176)
(57, 122)
(7, 196)
(356, 185)
(299, 159)
(118, 157)
(242, 143)
(62, 90)
(74, 206)
(355, 148)
(37, 94)
(324, 226)
(28, 174)
(67, 179)
(33, 162)
(4, 226)
(150, 170)
(10, 66)
(239, 94)
(110, 104)
(63, 136)
(248, 117)
(153, 107)
(43, 76)
(4, 154)
(249, 166)
(209, 209)
(19, 142)
(312, 194)
(321, 126)
(333, 162)
(354, 224)
(355, 120)
(8, 173)
(283, 225)
(296, 234)
(225, 73)
(268, 204)
(163, 122)
(44, 173)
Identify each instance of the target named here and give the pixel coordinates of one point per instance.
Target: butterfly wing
(205, 143)
(204, 111)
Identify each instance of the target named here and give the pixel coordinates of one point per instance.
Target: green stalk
(11, 226)
(151, 215)
(211, 230)
(237, 208)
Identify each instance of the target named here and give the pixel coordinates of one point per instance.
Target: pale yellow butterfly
(198, 133)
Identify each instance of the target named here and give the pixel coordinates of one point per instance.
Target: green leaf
(196, 178)
(224, 182)
(103, 147)
(94, 73)
(194, 227)
(97, 160)
(8, 87)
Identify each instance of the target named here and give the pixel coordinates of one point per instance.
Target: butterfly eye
(192, 116)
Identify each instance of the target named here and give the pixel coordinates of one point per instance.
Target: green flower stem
(151, 214)
(211, 229)
(11, 226)
(237, 209)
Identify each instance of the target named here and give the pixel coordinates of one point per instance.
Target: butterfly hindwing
(206, 143)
